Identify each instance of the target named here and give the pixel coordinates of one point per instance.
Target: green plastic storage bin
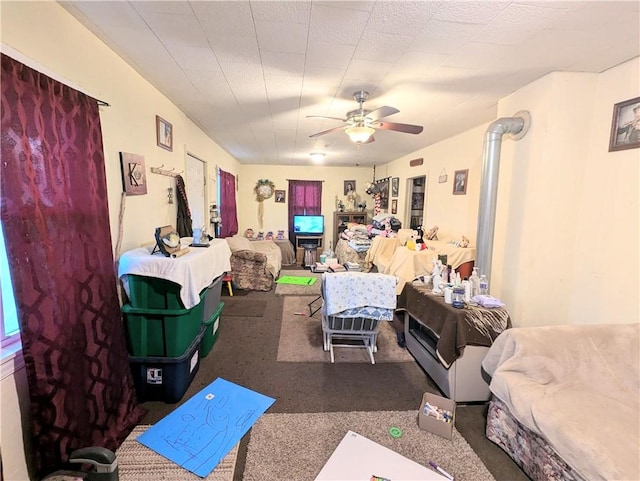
(153, 293)
(161, 332)
(211, 331)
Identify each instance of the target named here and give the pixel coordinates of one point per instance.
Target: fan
(361, 123)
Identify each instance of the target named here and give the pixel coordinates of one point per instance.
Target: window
(9, 329)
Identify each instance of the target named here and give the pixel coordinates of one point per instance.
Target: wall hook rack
(168, 173)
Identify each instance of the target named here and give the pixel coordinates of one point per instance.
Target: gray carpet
(136, 462)
(243, 308)
(246, 354)
(297, 290)
(301, 338)
(305, 442)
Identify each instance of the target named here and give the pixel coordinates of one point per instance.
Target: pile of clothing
(384, 224)
(357, 236)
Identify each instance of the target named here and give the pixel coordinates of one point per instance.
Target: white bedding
(193, 271)
(579, 388)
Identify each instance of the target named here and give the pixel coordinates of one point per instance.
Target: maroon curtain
(228, 211)
(305, 198)
(56, 223)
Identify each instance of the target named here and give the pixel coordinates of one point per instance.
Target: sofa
(566, 400)
(254, 264)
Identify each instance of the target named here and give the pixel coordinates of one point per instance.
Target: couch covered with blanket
(565, 400)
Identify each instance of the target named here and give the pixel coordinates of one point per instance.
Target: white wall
(14, 420)
(275, 214)
(455, 215)
(567, 211)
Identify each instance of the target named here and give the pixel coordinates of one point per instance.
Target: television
(308, 224)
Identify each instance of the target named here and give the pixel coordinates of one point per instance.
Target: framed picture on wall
(394, 206)
(417, 200)
(395, 186)
(134, 180)
(164, 133)
(625, 126)
(349, 185)
(384, 193)
(460, 182)
(280, 196)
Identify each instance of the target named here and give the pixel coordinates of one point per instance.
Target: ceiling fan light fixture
(359, 134)
(317, 156)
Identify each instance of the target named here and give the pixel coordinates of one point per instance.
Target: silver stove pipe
(516, 127)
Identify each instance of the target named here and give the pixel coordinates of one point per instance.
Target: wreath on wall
(264, 189)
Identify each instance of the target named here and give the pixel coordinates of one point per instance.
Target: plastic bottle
(484, 285)
(475, 282)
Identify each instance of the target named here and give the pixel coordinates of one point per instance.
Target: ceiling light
(360, 134)
(317, 156)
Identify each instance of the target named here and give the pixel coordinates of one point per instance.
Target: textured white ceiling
(249, 72)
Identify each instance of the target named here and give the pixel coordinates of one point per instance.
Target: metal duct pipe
(516, 127)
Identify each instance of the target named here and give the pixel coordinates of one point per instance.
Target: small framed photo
(164, 133)
(280, 196)
(349, 185)
(394, 206)
(395, 186)
(625, 126)
(460, 182)
(417, 200)
(134, 180)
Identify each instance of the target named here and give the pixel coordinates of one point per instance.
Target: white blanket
(579, 388)
(193, 271)
(349, 290)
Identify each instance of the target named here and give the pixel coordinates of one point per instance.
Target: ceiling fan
(361, 123)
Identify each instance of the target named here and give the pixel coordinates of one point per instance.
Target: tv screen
(308, 224)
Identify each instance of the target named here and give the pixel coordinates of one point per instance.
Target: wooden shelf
(302, 240)
(339, 218)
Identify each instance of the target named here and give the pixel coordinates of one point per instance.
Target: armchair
(254, 264)
(249, 271)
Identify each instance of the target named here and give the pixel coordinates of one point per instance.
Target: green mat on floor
(297, 280)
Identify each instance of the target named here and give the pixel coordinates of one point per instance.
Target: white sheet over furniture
(193, 271)
(456, 256)
(578, 387)
(267, 247)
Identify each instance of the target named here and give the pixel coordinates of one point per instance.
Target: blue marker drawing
(204, 429)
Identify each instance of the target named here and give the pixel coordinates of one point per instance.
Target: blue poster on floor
(202, 431)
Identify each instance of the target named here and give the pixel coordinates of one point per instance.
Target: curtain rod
(302, 180)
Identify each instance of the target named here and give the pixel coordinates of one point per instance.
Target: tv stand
(302, 240)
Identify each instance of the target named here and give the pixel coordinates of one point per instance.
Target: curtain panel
(228, 210)
(56, 222)
(305, 198)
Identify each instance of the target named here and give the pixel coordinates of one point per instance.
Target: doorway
(417, 198)
(196, 191)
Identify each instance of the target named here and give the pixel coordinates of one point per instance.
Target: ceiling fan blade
(326, 132)
(323, 117)
(406, 128)
(383, 111)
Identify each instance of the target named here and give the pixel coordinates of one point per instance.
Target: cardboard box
(431, 423)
